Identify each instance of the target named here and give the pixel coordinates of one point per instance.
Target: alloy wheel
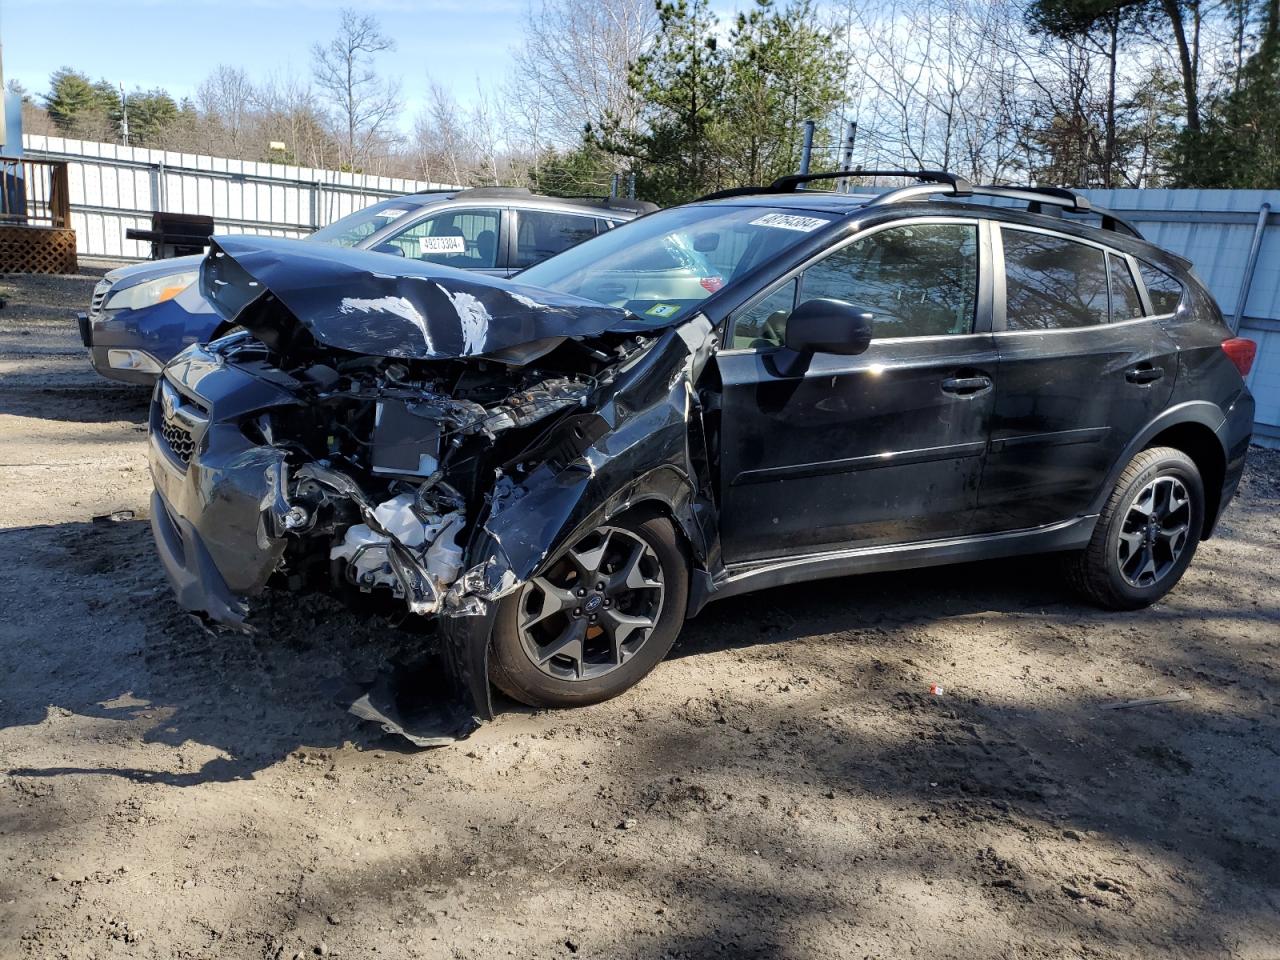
(1155, 531)
(591, 611)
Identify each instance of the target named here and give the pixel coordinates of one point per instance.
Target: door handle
(1143, 374)
(966, 386)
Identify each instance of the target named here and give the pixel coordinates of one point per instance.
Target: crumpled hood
(378, 304)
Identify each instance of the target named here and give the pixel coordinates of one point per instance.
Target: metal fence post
(806, 151)
(846, 154)
(1250, 265)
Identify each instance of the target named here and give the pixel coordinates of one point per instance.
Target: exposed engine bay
(389, 463)
(420, 441)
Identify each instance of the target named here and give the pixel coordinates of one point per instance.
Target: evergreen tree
(152, 114)
(1238, 144)
(681, 85)
(783, 70)
(583, 172)
(79, 107)
(716, 116)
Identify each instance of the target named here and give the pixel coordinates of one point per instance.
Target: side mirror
(829, 326)
(392, 248)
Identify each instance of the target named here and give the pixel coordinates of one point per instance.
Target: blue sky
(176, 43)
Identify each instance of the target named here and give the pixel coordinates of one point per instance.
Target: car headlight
(151, 292)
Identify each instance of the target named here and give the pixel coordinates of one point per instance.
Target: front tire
(1146, 535)
(596, 620)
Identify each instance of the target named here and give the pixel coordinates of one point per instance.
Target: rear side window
(1052, 283)
(543, 234)
(1125, 302)
(1165, 292)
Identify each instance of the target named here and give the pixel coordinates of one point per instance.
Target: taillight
(1240, 352)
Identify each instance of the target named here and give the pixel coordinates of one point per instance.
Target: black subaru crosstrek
(767, 386)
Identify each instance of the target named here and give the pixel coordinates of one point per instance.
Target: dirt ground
(784, 786)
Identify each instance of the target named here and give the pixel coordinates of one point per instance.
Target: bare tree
(363, 103)
(573, 65)
(442, 148)
(286, 111)
(935, 86)
(225, 100)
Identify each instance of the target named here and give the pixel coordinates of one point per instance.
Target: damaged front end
(421, 439)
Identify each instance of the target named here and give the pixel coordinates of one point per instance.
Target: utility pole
(124, 117)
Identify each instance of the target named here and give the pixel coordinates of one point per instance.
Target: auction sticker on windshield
(789, 221)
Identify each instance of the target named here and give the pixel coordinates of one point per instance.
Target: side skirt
(763, 574)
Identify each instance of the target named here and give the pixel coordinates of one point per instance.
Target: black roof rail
(789, 183)
(1036, 199)
(1113, 221)
(1068, 200)
(940, 181)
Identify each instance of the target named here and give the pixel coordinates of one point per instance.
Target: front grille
(179, 439)
(99, 298)
(179, 421)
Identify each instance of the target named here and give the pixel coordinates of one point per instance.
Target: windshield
(359, 226)
(662, 266)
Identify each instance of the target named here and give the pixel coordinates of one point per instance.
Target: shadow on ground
(808, 798)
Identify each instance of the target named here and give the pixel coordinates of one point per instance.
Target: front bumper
(105, 359)
(116, 353)
(218, 495)
(133, 345)
(217, 519)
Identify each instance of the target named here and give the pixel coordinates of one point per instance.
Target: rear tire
(624, 573)
(1146, 535)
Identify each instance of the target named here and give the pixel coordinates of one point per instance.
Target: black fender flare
(1200, 412)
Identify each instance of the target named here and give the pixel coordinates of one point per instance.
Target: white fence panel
(115, 188)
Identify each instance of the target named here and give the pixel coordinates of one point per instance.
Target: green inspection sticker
(663, 310)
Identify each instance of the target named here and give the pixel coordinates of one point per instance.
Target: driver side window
(919, 280)
(761, 325)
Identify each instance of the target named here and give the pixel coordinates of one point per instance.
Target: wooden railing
(34, 192)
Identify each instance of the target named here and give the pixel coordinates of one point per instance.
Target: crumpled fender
(645, 456)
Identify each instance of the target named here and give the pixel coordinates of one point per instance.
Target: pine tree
(78, 107)
(1238, 145)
